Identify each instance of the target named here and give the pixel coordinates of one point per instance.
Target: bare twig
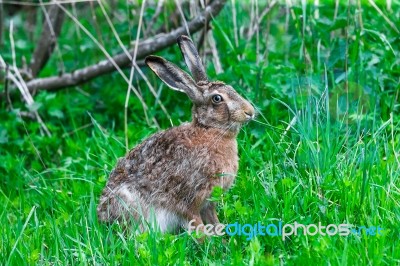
(96, 24)
(78, 32)
(133, 59)
(30, 21)
(9, 103)
(255, 26)
(202, 38)
(111, 60)
(133, 67)
(216, 61)
(178, 5)
(29, 115)
(159, 9)
(20, 83)
(144, 48)
(195, 9)
(22, 3)
(48, 38)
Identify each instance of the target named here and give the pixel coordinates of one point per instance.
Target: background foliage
(324, 147)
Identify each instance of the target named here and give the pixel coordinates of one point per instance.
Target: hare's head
(216, 104)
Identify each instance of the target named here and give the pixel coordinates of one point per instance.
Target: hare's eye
(217, 98)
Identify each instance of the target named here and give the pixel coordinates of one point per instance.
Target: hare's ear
(192, 58)
(174, 77)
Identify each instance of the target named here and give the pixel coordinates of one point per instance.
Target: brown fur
(171, 174)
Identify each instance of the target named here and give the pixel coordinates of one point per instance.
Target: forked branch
(146, 47)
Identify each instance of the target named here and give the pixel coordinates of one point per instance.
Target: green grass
(309, 157)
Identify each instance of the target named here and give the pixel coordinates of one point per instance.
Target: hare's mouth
(243, 117)
(249, 116)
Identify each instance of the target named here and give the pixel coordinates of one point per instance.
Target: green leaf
(56, 113)
(3, 136)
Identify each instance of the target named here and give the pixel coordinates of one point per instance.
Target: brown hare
(166, 180)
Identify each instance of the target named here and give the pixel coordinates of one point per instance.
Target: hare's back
(185, 152)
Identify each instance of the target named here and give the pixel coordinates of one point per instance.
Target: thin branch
(178, 5)
(144, 48)
(129, 82)
(255, 26)
(8, 99)
(159, 9)
(132, 59)
(216, 61)
(20, 83)
(64, 2)
(96, 24)
(48, 38)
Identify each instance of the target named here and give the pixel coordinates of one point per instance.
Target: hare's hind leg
(208, 213)
(123, 203)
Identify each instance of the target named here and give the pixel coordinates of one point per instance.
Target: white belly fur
(166, 221)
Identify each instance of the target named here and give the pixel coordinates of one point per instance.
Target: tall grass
(324, 147)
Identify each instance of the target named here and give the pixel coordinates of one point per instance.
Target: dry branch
(255, 26)
(146, 47)
(51, 29)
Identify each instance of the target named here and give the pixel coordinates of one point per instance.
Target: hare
(166, 180)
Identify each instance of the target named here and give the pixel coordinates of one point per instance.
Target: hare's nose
(249, 114)
(248, 111)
